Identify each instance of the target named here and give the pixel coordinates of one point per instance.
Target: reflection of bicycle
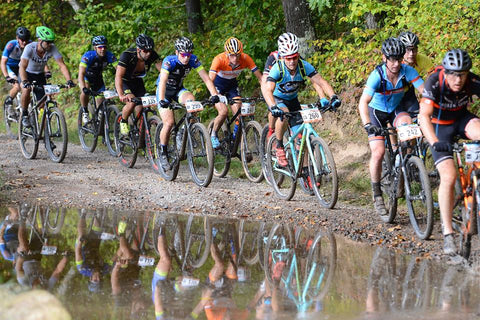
(305, 275)
(304, 142)
(101, 122)
(246, 135)
(51, 127)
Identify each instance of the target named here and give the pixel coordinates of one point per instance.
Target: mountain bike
(101, 122)
(50, 126)
(246, 134)
(189, 138)
(402, 169)
(468, 223)
(143, 128)
(11, 120)
(321, 169)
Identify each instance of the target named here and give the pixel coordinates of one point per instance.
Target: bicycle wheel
(127, 147)
(154, 125)
(263, 150)
(469, 223)
(388, 184)
(12, 120)
(87, 133)
(278, 251)
(251, 153)
(200, 155)
(321, 264)
(28, 137)
(281, 178)
(417, 286)
(55, 219)
(248, 234)
(323, 173)
(173, 155)
(56, 135)
(109, 129)
(419, 197)
(432, 172)
(198, 239)
(222, 155)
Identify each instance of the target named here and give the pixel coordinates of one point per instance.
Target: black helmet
(392, 47)
(23, 33)
(99, 40)
(144, 42)
(409, 39)
(457, 60)
(183, 44)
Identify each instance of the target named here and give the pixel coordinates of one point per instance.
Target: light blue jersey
(287, 85)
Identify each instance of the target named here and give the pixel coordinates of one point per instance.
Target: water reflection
(116, 265)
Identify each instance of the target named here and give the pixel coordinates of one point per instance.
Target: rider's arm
(363, 107)
(59, 268)
(119, 73)
(158, 66)
(322, 86)
(63, 68)
(426, 112)
(3, 65)
(267, 91)
(22, 69)
(258, 74)
(208, 82)
(81, 76)
(162, 84)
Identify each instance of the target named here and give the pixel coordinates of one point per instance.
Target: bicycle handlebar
(239, 100)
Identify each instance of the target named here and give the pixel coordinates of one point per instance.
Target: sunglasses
(146, 51)
(185, 54)
(101, 47)
(456, 73)
(49, 42)
(292, 57)
(395, 58)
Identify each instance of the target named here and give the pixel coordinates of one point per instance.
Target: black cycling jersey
(128, 60)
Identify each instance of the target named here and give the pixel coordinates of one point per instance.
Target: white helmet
(287, 44)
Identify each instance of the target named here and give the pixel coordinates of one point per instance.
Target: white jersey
(37, 64)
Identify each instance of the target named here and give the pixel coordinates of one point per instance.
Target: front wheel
(278, 252)
(88, 132)
(280, 178)
(28, 137)
(127, 147)
(200, 154)
(389, 185)
(419, 197)
(154, 125)
(173, 155)
(12, 117)
(251, 153)
(323, 173)
(222, 155)
(56, 135)
(109, 129)
(263, 149)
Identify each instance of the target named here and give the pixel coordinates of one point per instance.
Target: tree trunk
(194, 16)
(298, 21)
(371, 21)
(75, 5)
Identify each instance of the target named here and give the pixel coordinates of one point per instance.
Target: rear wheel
(170, 173)
(87, 133)
(251, 153)
(12, 118)
(56, 135)
(198, 238)
(263, 149)
(109, 129)
(419, 198)
(280, 177)
(277, 252)
(28, 137)
(389, 187)
(222, 156)
(248, 237)
(154, 125)
(200, 155)
(469, 223)
(127, 146)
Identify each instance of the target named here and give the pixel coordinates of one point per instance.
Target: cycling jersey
(423, 65)
(177, 71)
(95, 64)
(13, 52)
(36, 64)
(287, 85)
(448, 105)
(271, 60)
(128, 60)
(225, 71)
(388, 99)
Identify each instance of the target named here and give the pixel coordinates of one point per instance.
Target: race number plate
(194, 106)
(409, 132)
(311, 115)
(248, 109)
(304, 106)
(107, 236)
(110, 94)
(149, 101)
(223, 99)
(49, 250)
(51, 89)
(472, 152)
(190, 282)
(144, 261)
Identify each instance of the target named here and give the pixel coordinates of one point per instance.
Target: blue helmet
(99, 40)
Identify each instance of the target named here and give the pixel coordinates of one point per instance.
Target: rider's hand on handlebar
(214, 99)
(70, 84)
(26, 84)
(164, 103)
(276, 111)
(335, 102)
(86, 91)
(323, 102)
(123, 98)
(10, 80)
(48, 75)
(372, 129)
(442, 146)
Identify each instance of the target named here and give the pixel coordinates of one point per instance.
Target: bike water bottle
(235, 128)
(397, 161)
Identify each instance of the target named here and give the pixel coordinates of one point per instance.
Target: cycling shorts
(381, 119)
(292, 106)
(227, 87)
(410, 102)
(447, 132)
(96, 84)
(40, 79)
(13, 72)
(172, 95)
(135, 87)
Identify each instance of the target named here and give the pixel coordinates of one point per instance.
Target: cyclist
(9, 64)
(380, 104)
(443, 115)
(170, 88)
(225, 69)
(32, 67)
(133, 65)
(419, 61)
(281, 89)
(9, 235)
(92, 64)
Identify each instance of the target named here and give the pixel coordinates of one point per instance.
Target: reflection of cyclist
(9, 235)
(443, 115)
(225, 69)
(9, 64)
(92, 64)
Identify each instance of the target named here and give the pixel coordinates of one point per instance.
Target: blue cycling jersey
(287, 85)
(95, 64)
(177, 71)
(388, 98)
(13, 52)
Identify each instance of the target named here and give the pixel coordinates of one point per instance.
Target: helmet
(23, 33)
(45, 33)
(287, 44)
(183, 44)
(392, 47)
(233, 46)
(144, 42)
(409, 39)
(99, 40)
(457, 60)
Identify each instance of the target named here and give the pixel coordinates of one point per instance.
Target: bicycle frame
(37, 134)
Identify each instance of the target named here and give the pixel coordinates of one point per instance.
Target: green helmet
(45, 33)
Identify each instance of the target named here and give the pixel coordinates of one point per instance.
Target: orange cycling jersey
(223, 69)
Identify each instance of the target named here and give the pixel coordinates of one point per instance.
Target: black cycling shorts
(381, 119)
(40, 80)
(135, 87)
(291, 105)
(96, 84)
